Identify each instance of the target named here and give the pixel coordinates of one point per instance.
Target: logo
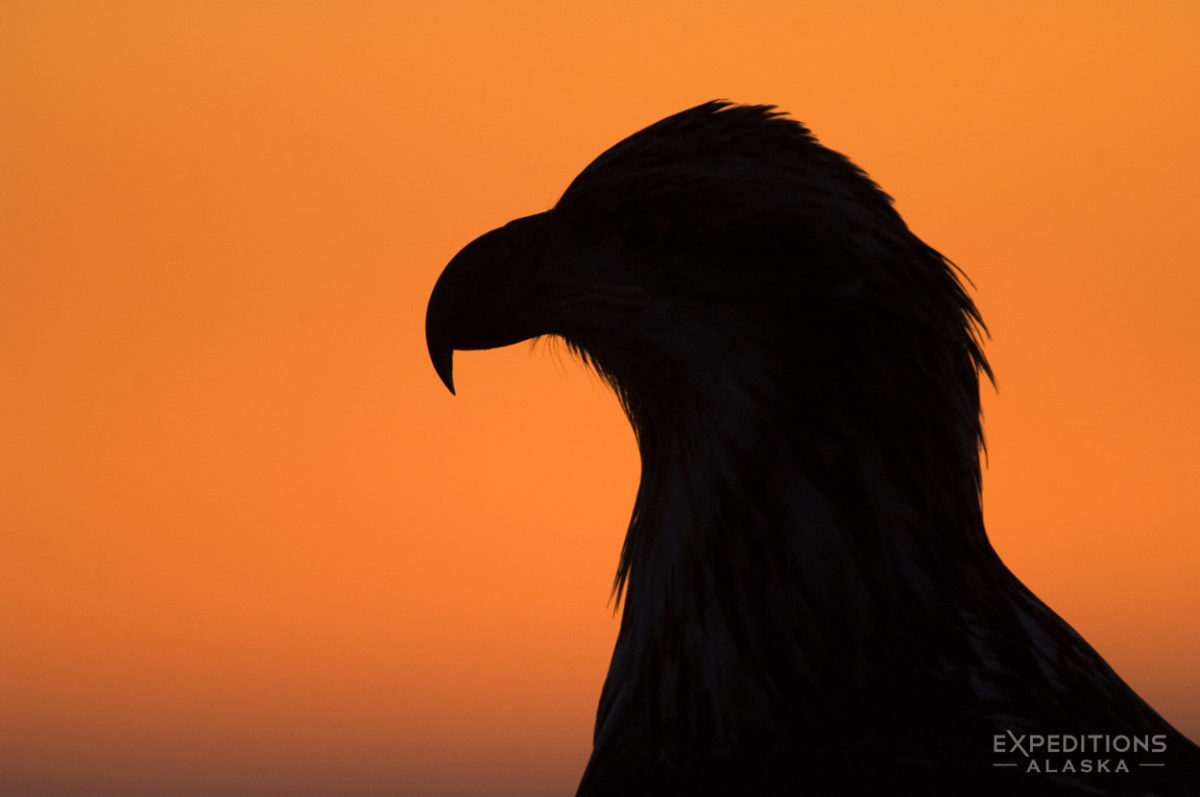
(1078, 753)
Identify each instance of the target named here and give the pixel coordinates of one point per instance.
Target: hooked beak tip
(447, 377)
(443, 363)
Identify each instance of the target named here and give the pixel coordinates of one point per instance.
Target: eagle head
(723, 252)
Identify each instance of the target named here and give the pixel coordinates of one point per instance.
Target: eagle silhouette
(811, 603)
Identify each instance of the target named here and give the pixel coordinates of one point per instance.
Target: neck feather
(768, 562)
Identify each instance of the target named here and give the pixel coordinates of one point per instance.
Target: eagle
(809, 600)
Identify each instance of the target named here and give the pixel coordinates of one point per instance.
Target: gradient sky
(249, 544)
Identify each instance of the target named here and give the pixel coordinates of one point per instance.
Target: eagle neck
(763, 573)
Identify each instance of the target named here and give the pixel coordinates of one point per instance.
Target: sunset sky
(248, 542)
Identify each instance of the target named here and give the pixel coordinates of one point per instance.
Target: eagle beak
(487, 296)
(515, 283)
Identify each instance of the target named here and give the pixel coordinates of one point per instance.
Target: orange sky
(249, 544)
